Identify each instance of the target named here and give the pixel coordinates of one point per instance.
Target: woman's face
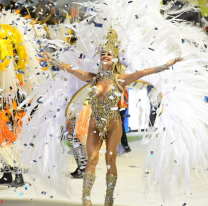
(106, 59)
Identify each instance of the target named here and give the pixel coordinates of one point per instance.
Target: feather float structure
(19, 70)
(19, 34)
(179, 139)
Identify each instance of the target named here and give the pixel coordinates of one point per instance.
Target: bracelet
(161, 68)
(56, 63)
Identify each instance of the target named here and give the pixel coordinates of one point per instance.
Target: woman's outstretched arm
(82, 75)
(129, 78)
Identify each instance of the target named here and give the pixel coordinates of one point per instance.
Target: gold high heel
(88, 181)
(110, 183)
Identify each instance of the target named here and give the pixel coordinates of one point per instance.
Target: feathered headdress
(116, 39)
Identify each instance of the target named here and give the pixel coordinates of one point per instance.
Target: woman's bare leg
(112, 141)
(94, 144)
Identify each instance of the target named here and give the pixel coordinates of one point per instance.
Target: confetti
(102, 151)
(20, 71)
(75, 68)
(115, 60)
(173, 141)
(113, 109)
(20, 194)
(31, 145)
(151, 154)
(93, 132)
(121, 80)
(98, 24)
(26, 186)
(206, 99)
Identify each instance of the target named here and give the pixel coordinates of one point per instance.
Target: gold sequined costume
(103, 112)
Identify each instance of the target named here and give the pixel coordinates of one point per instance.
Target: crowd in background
(43, 11)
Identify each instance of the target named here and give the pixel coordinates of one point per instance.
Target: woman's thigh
(94, 142)
(113, 139)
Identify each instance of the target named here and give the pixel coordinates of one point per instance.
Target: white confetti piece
(87, 60)
(115, 60)
(94, 132)
(3, 144)
(102, 151)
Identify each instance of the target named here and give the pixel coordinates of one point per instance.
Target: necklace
(105, 76)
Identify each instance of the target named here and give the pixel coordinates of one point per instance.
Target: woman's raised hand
(47, 57)
(173, 61)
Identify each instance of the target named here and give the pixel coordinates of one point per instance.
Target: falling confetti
(20, 194)
(26, 186)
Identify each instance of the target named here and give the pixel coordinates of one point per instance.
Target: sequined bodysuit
(103, 112)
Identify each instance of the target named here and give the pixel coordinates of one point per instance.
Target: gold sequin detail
(88, 181)
(110, 183)
(112, 44)
(105, 111)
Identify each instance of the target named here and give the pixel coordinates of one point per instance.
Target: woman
(107, 86)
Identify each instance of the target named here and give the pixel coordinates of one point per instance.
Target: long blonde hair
(119, 68)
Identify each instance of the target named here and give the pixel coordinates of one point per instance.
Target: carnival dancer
(105, 123)
(135, 34)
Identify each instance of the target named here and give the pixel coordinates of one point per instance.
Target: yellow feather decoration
(10, 39)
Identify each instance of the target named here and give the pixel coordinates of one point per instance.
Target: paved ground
(129, 190)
